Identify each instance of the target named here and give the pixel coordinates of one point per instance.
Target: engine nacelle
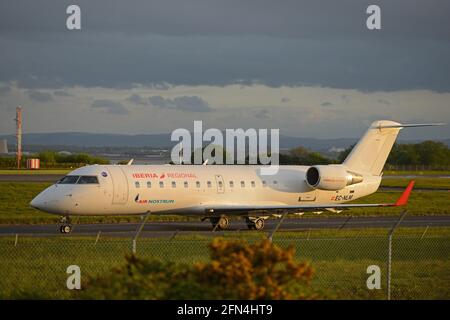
(331, 177)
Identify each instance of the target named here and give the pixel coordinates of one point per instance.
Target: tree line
(431, 154)
(53, 159)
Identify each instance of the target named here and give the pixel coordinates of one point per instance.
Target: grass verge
(36, 267)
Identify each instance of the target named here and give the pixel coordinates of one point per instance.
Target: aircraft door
(120, 185)
(220, 183)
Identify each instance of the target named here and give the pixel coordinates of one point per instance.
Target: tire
(259, 224)
(221, 223)
(66, 229)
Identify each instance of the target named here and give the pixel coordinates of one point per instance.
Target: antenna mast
(19, 135)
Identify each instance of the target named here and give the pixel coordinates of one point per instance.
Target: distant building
(3, 146)
(336, 149)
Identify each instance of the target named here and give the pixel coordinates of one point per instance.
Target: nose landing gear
(66, 226)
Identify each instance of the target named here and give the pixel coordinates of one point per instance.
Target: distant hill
(82, 139)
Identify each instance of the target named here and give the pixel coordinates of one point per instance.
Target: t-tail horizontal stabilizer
(409, 125)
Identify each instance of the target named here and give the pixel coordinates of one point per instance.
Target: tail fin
(372, 150)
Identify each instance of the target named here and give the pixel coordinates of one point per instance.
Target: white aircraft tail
(371, 152)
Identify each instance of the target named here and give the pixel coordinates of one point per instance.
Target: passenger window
(264, 183)
(161, 184)
(174, 184)
(137, 184)
(253, 184)
(209, 184)
(69, 180)
(242, 184)
(275, 182)
(197, 183)
(149, 184)
(231, 184)
(220, 184)
(186, 185)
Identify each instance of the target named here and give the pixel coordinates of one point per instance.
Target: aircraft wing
(239, 209)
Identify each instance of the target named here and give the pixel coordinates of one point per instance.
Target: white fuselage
(187, 189)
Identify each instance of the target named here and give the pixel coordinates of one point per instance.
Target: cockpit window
(87, 180)
(79, 180)
(69, 180)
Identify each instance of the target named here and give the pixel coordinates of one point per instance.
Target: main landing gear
(254, 223)
(221, 223)
(66, 226)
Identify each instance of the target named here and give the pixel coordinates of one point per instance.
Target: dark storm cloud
(284, 18)
(185, 103)
(288, 42)
(110, 106)
(39, 96)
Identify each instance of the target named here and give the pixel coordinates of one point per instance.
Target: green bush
(237, 270)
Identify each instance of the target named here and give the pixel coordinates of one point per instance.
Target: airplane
(216, 192)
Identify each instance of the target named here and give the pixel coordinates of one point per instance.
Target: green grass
(16, 196)
(36, 267)
(420, 183)
(420, 203)
(416, 173)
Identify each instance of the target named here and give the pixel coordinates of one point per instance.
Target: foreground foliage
(237, 270)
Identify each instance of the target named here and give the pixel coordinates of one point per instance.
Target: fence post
(389, 266)
(98, 236)
(277, 226)
(138, 231)
(426, 229)
(174, 235)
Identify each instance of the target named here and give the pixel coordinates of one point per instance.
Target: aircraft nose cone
(37, 202)
(46, 201)
(54, 200)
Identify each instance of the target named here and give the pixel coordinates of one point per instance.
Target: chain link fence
(344, 261)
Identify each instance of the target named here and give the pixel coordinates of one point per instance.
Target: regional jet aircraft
(216, 192)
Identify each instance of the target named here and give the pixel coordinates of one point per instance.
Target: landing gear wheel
(259, 224)
(221, 223)
(255, 224)
(66, 226)
(66, 229)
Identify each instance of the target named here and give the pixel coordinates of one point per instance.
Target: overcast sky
(310, 68)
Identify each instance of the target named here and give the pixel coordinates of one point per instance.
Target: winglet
(403, 200)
